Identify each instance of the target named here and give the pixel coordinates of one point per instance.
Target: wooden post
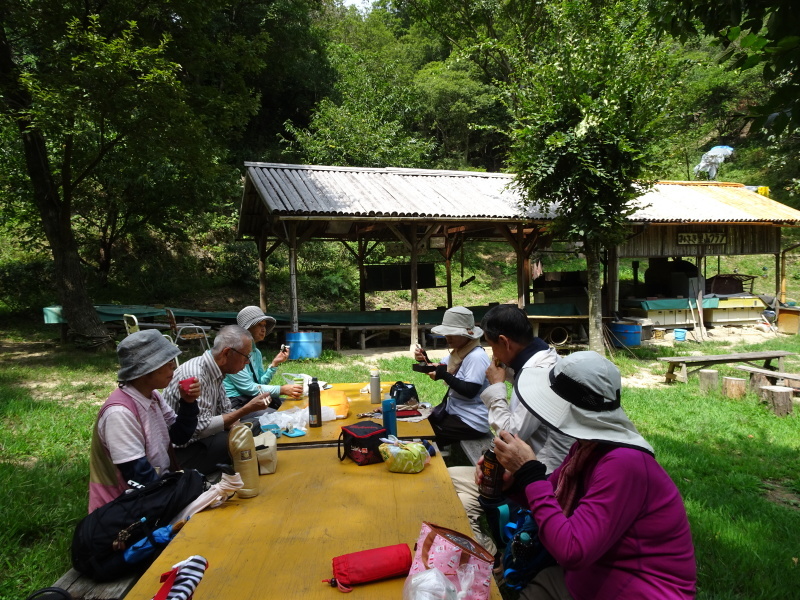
(709, 380)
(778, 398)
(733, 387)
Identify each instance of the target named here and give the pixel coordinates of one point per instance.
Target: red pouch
(370, 565)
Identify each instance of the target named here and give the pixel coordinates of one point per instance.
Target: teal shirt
(253, 379)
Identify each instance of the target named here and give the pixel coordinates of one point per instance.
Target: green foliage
(753, 34)
(366, 126)
(27, 284)
(586, 105)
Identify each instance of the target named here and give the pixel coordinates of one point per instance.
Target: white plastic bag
(292, 418)
(430, 584)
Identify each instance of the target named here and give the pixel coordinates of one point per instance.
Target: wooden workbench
(328, 434)
(699, 362)
(279, 545)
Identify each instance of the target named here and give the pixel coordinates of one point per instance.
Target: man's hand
(496, 372)
(511, 451)
(419, 356)
(260, 402)
(193, 392)
(280, 357)
(293, 390)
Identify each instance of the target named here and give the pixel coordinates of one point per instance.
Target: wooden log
(778, 398)
(734, 387)
(709, 380)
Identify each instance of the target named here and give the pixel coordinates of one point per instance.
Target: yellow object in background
(337, 400)
(764, 190)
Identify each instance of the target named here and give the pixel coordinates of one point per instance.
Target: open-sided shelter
(290, 204)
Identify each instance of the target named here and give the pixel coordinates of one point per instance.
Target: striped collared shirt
(213, 402)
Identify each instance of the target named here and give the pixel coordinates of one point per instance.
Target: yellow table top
(359, 403)
(279, 545)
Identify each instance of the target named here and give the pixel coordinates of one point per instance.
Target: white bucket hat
(143, 352)
(580, 397)
(458, 321)
(251, 315)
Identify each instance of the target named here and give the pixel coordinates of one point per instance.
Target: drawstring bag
(464, 562)
(370, 565)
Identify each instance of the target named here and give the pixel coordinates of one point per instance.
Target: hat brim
(447, 330)
(270, 323)
(532, 387)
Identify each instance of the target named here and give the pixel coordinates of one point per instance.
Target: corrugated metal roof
(307, 190)
(710, 202)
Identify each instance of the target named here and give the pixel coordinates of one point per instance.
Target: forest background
(147, 111)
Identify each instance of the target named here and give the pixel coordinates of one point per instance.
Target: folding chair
(187, 332)
(131, 323)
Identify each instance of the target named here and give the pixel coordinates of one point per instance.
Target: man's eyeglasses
(246, 358)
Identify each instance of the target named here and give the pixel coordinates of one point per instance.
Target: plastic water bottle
(389, 410)
(375, 387)
(314, 404)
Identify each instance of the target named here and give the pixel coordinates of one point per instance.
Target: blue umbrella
(144, 548)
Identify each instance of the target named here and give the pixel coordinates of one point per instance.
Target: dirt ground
(646, 376)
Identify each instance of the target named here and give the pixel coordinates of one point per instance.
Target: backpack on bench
(101, 538)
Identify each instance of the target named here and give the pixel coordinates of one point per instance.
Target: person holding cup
(254, 380)
(131, 442)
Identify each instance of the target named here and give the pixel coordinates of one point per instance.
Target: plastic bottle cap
(374, 372)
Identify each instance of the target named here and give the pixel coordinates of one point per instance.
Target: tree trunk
(733, 387)
(779, 399)
(593, 252)
(76, 305)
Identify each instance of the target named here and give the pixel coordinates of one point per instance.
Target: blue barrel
(304, 344)
(625, 334)
(680, 335)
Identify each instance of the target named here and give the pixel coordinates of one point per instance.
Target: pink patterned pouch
(447, 550)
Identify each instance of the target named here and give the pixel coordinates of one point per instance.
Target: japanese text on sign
(687, 239)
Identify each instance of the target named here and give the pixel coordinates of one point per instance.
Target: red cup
(186, 383)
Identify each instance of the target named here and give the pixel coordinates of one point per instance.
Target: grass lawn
(735, 463)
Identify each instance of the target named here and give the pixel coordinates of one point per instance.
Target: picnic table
(280, 544)
(328, 433)
(699, 362)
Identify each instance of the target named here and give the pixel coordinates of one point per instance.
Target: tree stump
(709, 380)
(757, 381)
(778, 398)
(734, 387)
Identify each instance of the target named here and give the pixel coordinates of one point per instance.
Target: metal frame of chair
(187, 331)
(131, 323)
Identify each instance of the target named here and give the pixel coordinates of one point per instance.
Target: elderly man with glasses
(208, 445)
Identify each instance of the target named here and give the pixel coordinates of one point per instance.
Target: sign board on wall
(701, 238)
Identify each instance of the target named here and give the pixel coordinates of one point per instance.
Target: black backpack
(100, 539)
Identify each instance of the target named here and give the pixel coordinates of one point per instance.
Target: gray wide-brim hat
(143, 352)
(580, 397)
(252, 315)
(458, 321)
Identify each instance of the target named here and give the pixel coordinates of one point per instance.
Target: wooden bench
(700, 362)
(474, 449)
(83, 588)
(771, 376)
(379, 328)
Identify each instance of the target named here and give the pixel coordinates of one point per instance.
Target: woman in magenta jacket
(610, 515)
